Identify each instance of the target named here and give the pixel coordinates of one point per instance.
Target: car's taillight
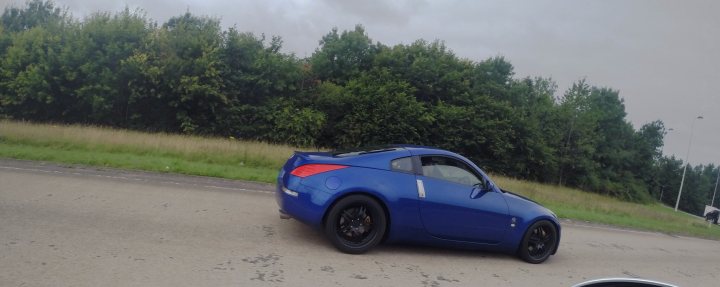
(313, 169)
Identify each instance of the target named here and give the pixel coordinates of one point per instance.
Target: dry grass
(547, 193)
(206, 149)
(592, 207)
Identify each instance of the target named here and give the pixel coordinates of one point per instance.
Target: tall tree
(379, 109)
(31, 76)
(95, 55)
(535, 122)
(343, 56)
(36, 13)
(577, 148)
(181, 71)
(431, 68)
(256, 75)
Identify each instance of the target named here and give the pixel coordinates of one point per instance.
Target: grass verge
(227, 158)
(256, 161)
(585, 206)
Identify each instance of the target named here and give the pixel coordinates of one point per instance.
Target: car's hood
(519, 204)
(520, 196)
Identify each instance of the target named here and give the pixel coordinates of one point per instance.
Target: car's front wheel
(539, 242)
(355, 224)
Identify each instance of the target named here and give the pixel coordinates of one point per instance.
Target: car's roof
(398, 148)
(378, 156)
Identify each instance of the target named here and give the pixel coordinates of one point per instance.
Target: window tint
(402, 164)
(449, 169)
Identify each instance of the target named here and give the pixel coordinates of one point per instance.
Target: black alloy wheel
(539, 242)
(355, 224)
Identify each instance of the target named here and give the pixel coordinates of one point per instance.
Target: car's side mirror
(488, 186)
(479, 189)
(476, 191)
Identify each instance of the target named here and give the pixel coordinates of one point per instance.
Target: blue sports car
(412, 194)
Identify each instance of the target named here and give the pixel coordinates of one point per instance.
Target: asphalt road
(72, 226)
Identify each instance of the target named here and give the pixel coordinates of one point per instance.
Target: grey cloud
(396, 12)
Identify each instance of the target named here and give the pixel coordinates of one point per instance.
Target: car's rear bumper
(303, 204)
(284, 214)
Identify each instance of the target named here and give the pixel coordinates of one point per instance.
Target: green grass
(219, 157)
(257, 161)
(585, 206)
(128, 160)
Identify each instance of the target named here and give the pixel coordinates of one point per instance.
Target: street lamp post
(687, 158)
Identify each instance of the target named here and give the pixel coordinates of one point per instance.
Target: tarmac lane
(78, 226)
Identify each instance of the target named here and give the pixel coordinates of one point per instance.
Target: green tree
(181, 87)
(5, 40)
(31, 77)
(254, 72)
(36, 13)
(431, 68)
(343, 56)
(255, 75)
(577, 126)
(493, 77)
(480, 131)
(297, 126)
(535, 124)
(94, 57)
(374, 108)
(646, 164)
(669, 171)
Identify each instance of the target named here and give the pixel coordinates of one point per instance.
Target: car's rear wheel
(355, 224)
(539, 242)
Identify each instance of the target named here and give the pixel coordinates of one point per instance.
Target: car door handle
(421, 189)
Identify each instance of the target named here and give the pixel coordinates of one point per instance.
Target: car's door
(455, 205)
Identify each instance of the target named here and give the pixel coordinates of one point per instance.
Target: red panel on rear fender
(313, 169)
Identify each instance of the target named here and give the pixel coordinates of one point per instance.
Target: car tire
(355, 224)
(539, 242)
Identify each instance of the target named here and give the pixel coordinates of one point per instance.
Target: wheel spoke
(535, 240)
(355, 223)
(361, 212)
(347, 215)
(545, 234)
(540, 242)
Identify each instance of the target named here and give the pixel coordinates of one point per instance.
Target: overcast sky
(663, 56)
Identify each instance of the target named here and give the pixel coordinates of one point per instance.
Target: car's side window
(403, 164)
(449, 169)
